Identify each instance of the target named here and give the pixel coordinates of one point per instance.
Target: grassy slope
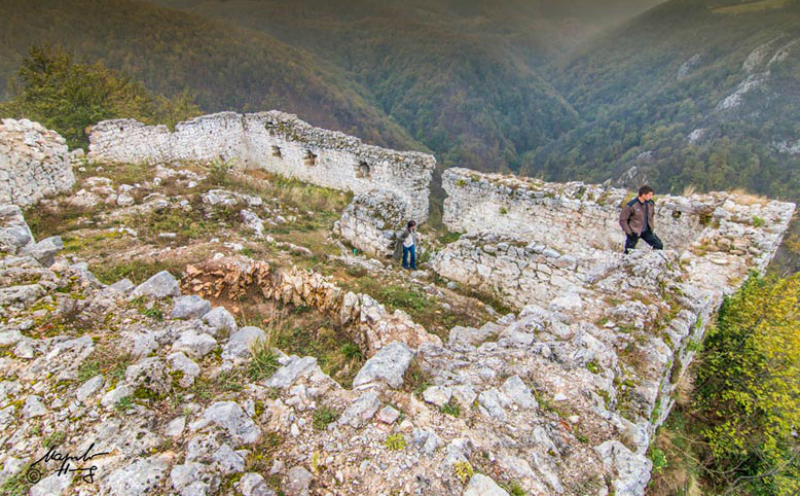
(227, 67)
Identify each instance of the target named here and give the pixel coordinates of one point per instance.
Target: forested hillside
(225, 67)
(459, 76)
(699, 93)
(691, 95)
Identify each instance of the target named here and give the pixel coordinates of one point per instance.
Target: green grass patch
(324, 416)
(264, 362)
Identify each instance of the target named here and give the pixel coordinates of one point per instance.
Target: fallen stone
(361, 410)
(230, 416)
(299, 481)
(388, 415)
(33, 407)
(220, 321)
(252, 484)
(138, 478)
(44, 251)
(89, 387)
(240, 342)
(196, 345)
(519, 393)
(52, 485)
(437, 395)
(189, 307)
(480, 485)
(387, 366)
(161, 285)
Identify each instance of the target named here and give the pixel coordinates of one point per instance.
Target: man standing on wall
(407, 242)
(637, 220)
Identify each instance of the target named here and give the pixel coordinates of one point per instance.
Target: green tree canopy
(69, 97)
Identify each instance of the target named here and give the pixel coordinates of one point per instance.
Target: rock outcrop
(34, 163)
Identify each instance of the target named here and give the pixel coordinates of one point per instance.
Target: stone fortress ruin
(562, 396)
(277, 142)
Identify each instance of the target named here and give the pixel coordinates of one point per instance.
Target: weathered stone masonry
(275, 141)
(555, 249)
(34, 163)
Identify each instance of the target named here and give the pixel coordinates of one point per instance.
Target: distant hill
(688, 94)
(461, 76)
(226, 67)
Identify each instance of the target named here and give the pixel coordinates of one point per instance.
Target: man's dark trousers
(648, 236)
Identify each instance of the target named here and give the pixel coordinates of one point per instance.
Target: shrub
(396, 442)
(748, 391)
(463, 471)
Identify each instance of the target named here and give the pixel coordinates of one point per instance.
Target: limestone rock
(44, 251)
(240, 342)
(480, 485)
(387, 366)
(220, 320)
(252, 484)
(230, 416)
(195, 344)
(14, 231)
(138, 478)
(299, 481)
(361, 410)
(188, 307)
(161, 285)
(52, 485)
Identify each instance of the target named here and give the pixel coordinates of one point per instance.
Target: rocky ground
(89, 356)
(188, 329)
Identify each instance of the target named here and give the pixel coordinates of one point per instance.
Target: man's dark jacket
(631, 219)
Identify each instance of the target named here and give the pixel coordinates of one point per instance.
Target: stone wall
(34, 163)
(555, 250)
(564, 214)
(277, 142)
(371, 222)
(368, 322)
(529, 240)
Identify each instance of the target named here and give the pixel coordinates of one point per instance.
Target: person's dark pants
(410, 252)
(648, 236)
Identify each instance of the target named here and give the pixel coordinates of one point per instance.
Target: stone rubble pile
(371, 326)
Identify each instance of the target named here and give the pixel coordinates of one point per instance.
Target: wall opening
(363, 171)
(310, 158)
(276, 152)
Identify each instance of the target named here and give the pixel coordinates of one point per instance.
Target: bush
(748, 389)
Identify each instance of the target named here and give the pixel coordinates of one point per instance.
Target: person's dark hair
(411, 224)
(645, 190)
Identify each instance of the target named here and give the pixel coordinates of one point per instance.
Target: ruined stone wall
(371, 222)
(34, 163)
(555, 249)
(563, 214)
(529, 241)
(277, 142)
